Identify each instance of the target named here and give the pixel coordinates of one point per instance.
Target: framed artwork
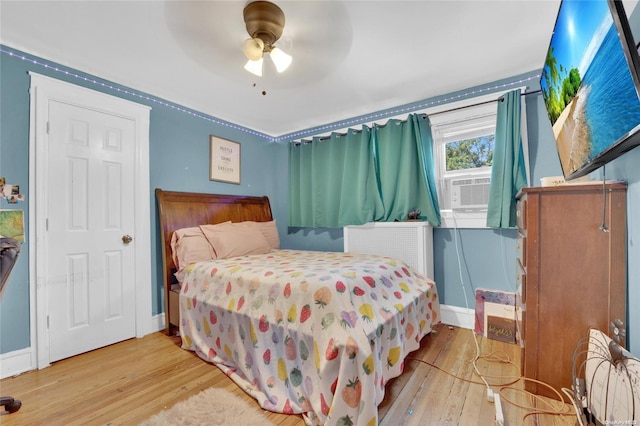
(224, 160)
(12, 224)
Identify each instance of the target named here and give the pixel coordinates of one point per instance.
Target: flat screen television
(591, 85)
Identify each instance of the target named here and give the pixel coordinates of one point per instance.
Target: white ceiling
(350, 58)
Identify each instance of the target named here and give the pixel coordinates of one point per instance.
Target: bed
(303, 332)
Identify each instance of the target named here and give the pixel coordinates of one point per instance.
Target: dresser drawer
(520, 319)
(521, 215)
(521, 281)
(521, 250)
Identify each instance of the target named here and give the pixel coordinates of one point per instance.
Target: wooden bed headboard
(178, 210)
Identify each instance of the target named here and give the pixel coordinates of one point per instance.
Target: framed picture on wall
(224, 160)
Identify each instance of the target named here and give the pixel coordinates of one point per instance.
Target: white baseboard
(456, 316)
(157, 322)
(17, 362)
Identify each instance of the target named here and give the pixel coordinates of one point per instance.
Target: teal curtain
(406, 178)
(372, 174)
(508, 173)
(431, 208)
(332, 181)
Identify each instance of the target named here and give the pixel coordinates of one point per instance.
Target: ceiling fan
(265, 22)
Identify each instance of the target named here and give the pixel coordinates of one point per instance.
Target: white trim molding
(456, 316)
(16, 362)
(461, 220)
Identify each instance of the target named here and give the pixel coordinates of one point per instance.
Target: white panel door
(90, 266)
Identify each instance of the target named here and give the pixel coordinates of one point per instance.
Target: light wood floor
(128, 382)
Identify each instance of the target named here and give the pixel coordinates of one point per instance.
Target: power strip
(499, 414)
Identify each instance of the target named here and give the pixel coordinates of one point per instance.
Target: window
(471, 153)
(463, 152)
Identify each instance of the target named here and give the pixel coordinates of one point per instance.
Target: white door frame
(43, 90)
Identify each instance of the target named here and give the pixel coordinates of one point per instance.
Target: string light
(130, 92)
(283, 138)
(402, 110)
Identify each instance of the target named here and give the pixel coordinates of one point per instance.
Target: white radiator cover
(411, 242)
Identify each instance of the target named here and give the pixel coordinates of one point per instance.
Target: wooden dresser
(571, 275)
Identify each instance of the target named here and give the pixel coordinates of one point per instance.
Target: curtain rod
(322, 138)
(479, 103)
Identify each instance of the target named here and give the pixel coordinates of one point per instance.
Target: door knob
(127, 239)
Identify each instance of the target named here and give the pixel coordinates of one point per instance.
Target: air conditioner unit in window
(469, 193)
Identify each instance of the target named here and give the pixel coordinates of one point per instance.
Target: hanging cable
(490, 393)
(604, 227)
(504, 263)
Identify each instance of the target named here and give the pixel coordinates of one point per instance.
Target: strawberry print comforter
(317, 333)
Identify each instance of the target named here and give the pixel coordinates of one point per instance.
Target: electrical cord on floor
(574, 403)
(560, 410)
(464, 379)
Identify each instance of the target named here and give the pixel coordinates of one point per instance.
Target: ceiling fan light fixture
(264, 22)
(254, 67)
(280, 59)
(253, 48)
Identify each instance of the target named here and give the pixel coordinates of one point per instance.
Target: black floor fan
(9, 249)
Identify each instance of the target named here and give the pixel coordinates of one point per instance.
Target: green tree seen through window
(470, 153)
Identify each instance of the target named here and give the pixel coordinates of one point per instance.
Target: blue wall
(14, 166)
(179, 161)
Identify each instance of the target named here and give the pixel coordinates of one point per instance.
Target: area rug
(215, 407)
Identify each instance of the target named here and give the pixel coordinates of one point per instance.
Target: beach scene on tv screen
(587, 86)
